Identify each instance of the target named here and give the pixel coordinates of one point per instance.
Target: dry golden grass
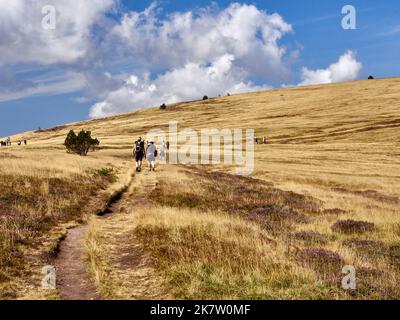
(209, 255)
(336, 144)
(372, 253)
(41, 190)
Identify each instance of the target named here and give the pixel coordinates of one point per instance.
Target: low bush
(80, 144)
(310, 237)
(104, 172)
(352, 226)
(275, 217)
(327, 264)
(334, 211)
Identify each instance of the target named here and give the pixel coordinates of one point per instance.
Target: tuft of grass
(104, 172)
(97, 266)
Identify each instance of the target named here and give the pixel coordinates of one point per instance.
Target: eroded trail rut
(73, 279)
(132, 269)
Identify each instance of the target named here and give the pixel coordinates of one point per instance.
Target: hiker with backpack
(139, 153)
(151, 154)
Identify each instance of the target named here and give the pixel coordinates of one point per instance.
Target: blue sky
(102, 59)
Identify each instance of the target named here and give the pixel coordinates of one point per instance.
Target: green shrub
(104, 172)
(80, 144)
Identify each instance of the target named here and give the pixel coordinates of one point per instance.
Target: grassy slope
(338, 143)
(340, 135)
(361, 111)
(343, 133)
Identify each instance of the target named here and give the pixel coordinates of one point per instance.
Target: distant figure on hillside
(138, 153)
(265, 140)
(256, 140)
(25, 142)
(8, 141)
(167, 144)
(19, 142)
(151, 154)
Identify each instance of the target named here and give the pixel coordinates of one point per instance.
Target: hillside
(360, 111)
(338, 133)
(332, 156)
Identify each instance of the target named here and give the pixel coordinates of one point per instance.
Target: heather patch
(352, 226)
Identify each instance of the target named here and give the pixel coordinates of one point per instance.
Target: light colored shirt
(151, 149)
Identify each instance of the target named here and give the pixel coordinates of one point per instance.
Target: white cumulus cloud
(142, 59)
(24, 40)
(209, 51)
(189, 82)
(246, 32)
(346, 69)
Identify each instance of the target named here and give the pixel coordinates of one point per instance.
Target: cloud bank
(249, 34)
(210, 52)
(141, 59)
(346, 69)
(189, 82)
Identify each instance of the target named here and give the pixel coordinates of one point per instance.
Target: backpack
(155, 153)
(139, 146)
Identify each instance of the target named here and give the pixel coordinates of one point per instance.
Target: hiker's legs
(138, 159)
(151, 165)
(138, 165)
